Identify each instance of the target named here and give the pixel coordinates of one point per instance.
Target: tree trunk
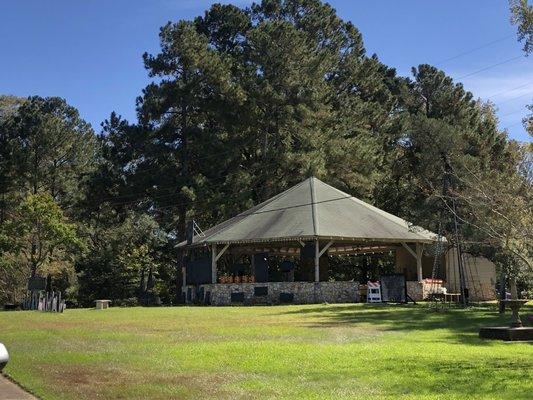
(502, 294)
(184, 173)
(33, 262)
(514, 292)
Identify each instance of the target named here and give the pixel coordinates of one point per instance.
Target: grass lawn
(352, 351)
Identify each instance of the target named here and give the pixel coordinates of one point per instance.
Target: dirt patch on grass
(81, 381)
(90, 382)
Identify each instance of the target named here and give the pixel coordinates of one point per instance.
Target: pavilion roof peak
(313, 209)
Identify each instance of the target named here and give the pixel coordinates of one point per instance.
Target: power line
(514, 98)
(509, 126)
(149, 169)
(474, 49)
(245, 214)
(145, 195)
(510, 90)
(513, 112)
(440, 62)
(205, 157)
(489, 67)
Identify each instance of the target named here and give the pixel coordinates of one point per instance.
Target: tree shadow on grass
(464, 324)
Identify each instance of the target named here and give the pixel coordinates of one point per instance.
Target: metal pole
(317, 261)
(419, 249)
(214, 263)
(459, 256)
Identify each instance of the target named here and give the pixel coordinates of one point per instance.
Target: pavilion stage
(299, 227)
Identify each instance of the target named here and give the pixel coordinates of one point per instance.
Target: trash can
(4, 356)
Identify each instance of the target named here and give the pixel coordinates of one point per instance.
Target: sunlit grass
(289, 352)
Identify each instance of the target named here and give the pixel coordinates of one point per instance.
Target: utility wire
(205, 157)
(145, 195)
(489, 67)
(513, 112)
(509, 126)
(149, 169)
(510, 90)
(245, 214)
(474, 50)
(158, 168)
(514, 98)
(440, 62)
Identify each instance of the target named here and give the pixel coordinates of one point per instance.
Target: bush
(129, 302)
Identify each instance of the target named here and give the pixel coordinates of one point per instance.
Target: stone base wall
(220, 294)
(419, 291)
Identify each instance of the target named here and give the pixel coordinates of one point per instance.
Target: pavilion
(311, 219)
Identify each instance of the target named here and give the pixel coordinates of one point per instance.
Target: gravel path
(10, 391)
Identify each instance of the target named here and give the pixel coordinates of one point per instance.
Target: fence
(44, 301)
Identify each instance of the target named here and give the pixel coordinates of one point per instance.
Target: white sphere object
(4, 356)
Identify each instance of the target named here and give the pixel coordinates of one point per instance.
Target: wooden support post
(418, 256)
(325, 248)
(409, 249)
(222, 251)
(252, 264)
(419, 249)
(214, 258)
(317, 260)
(318, 254)
(214, 263)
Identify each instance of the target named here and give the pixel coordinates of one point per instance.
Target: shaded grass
(286, 352)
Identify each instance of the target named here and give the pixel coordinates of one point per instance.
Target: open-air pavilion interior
(306, 223)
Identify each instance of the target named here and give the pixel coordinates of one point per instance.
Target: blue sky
(89, 52)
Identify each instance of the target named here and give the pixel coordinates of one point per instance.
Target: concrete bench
(102, 304)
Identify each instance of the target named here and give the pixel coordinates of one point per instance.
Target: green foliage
(522, 17)
(46, 150)
(9, 105)
(52, 147)
(441, 130)
(120, 252)
(39, 231)
(259, 99)
(499, 204)
(37, 239)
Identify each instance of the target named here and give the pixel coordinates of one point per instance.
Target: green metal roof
(313, 209)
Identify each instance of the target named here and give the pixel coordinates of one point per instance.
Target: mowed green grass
(352, 351)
